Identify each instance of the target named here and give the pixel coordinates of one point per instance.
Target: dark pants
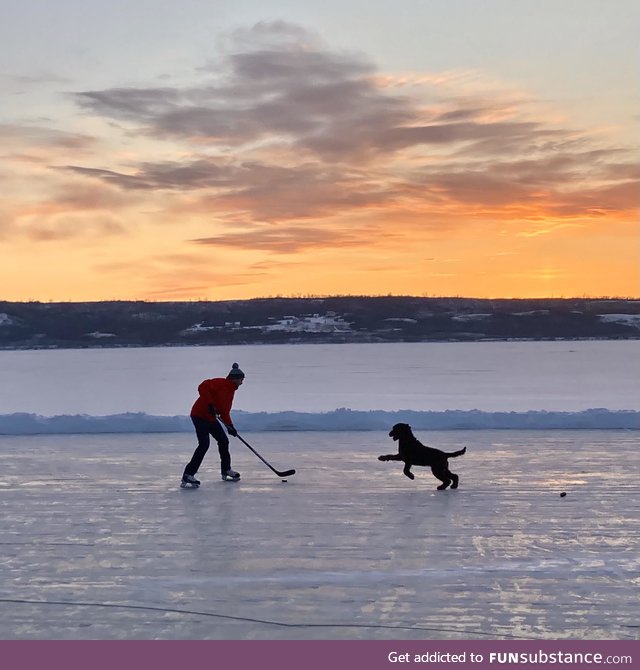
(205, 428)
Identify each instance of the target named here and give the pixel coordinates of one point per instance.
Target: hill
(294, 320)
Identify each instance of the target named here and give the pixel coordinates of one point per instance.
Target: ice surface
(561, 376)
(98, 541)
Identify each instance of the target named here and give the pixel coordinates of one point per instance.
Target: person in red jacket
(212, 407)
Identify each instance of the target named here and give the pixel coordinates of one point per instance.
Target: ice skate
(189, 482)
(230, 475)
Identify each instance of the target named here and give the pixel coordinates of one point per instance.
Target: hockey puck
(284, 481)
(563, 494)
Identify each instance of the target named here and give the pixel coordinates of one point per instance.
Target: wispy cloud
(65, 227)
(283, 129)
(169, 175)
(329, 105)
(162, 276)
(41, 136)
(285, 239)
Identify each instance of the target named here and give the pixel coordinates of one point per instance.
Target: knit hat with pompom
(236, 372)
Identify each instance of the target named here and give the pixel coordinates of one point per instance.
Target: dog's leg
(455, 480)
(407, 471)
(389, 457)
(443, 475)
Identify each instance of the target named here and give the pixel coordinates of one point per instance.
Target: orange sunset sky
(217, 150)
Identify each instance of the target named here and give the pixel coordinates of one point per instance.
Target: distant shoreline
(333, 320)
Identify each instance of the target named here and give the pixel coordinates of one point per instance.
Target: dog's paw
(383, 458)
(410, 475)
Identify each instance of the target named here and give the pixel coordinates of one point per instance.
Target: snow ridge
(337, 420)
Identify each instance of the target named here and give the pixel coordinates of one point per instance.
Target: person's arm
(224, 411)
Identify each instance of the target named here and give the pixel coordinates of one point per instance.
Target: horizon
(203, 153)
(336, 296)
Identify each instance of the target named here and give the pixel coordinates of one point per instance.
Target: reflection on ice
(99, 542)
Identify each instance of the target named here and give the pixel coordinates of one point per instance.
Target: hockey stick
(285, 473)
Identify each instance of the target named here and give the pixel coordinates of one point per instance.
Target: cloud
(36, 78)
(306, 191)
(285, 240)
(162, 276)
(560, 182)
(265, 192)
(35, 136)
(69, 209)
(284, 130)
(286, 86)
(171, 175)
(70, 226)
(297, 90)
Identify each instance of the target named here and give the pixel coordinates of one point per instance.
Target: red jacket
(219, 393)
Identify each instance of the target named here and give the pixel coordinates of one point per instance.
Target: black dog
(413, 452)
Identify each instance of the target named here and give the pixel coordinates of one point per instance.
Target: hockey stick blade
(286, 473)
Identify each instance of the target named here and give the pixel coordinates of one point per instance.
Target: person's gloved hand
(232, 431)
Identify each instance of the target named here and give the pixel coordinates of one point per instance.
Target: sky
(219, 150)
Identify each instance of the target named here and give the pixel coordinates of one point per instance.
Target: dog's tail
(453, 454)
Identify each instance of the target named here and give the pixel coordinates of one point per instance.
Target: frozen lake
(487, 385)
(98, 541)
(488, 376)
